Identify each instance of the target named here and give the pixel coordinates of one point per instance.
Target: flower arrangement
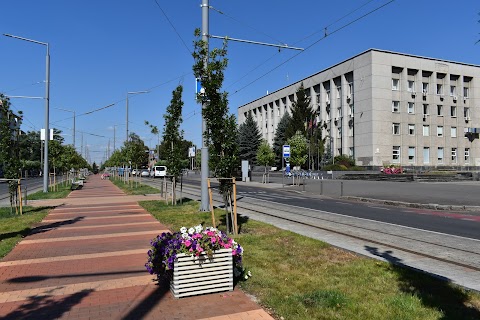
(193, 241)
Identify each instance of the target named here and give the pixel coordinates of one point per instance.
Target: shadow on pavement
(433, 291)
(147, 304)
(46, 307)
(37, 278)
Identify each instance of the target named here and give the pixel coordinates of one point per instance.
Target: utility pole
(204, 172)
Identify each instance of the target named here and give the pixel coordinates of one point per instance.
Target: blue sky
(100, 50)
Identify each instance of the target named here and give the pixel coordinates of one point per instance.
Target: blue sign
(286, 151)
(198, 87)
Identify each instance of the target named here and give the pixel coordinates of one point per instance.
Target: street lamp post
(73, 130)
(128, 93)
(47, 106)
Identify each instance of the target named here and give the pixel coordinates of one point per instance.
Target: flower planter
(199, 275)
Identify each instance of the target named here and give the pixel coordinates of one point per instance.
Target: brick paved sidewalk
(86, 261)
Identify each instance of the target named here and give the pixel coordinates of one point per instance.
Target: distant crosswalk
(269, 196)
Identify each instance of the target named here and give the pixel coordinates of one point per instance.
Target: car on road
(145, 173)
(158, 171)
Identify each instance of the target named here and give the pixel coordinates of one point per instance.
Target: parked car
(145, 173)
(158, 171)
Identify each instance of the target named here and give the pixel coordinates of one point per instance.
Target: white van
(158, 171)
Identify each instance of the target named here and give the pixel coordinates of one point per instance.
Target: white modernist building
(384, 107)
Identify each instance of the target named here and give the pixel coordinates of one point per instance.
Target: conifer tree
(302, 114)
(249, 138)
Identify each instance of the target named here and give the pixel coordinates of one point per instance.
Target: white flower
(185, 236)
(183, 230)
(246, 277)
(249, 273)
(191, 231)
(198, 228)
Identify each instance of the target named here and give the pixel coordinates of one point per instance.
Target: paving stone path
(86, 261)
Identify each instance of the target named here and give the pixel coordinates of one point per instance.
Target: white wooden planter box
(198, 275)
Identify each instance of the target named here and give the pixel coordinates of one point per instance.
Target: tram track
(449, 249)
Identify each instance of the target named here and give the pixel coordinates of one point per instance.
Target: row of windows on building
(439, 88)
(396, 130)
(426, 155)
(426, 109)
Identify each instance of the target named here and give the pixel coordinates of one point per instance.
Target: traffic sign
(286, 151)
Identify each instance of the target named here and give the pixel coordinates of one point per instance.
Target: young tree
(221, 127)
(302, 114)
(173, 136)
(265, 157)
(298, 149)
(280, 139)
(249, 138)
(134, 151)
(9, 146)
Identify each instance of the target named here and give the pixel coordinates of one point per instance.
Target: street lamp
(73, 111)
(47, 106)
(128, 93)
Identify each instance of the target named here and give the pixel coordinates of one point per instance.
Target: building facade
(383, 107)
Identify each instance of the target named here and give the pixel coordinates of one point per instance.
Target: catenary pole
(204, 169)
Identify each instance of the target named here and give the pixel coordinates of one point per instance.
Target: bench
(76, 185)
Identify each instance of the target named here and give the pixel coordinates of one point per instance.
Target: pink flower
(234, 252)
(210, 233)
(213, 240)
(188, 243)
(227, 245)
(191, 249)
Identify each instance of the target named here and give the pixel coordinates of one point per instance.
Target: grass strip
(15, 227)
(296, 277)
(133, 188)
(62, 192)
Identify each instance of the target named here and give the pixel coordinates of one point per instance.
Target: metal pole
(204, 174)
(74, 130)
(127, 120)
(114, 128)
(47, 130)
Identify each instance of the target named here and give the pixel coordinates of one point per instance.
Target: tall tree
(280, 138)
(134, 151)
(9, 146)
(249, 138)
(221, 127)
(302, 114)
(298, 149)
(173, 136)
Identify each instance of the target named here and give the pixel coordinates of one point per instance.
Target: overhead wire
(313, 44)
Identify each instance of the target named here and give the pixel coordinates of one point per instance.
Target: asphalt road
(32, 184)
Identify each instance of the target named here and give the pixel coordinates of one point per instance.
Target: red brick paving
(92, 266)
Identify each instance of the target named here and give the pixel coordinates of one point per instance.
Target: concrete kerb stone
(432, 206)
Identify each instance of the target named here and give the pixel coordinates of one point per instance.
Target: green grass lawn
(296, 277)
(14, 227)
(134, 188)
(63, 192)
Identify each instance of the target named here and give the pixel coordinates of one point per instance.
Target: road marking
(381, 208)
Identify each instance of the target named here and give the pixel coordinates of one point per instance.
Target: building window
(454, 155)
(411, 154)
(411, 129)
(395, 106)
(426, 130)
(426, 155)
(425, 109)
(411, 108)
(453, 111)
(411, 86)
(350, 151)
(439, 89)
(467, 155)
(425, 87)
(465, 92)
(453, 132)
(453, 91)
(395, 84)
(440, 155)
(440, 110)
(396, 128)
(439, 131)
(396, 154)
(466, 113)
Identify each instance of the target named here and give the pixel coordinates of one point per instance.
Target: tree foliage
(298, 149)
(9, 145)
(172, 135)
(302, 114)
(265, 155)
(280, 138)
(221, 127)
(249, 138)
